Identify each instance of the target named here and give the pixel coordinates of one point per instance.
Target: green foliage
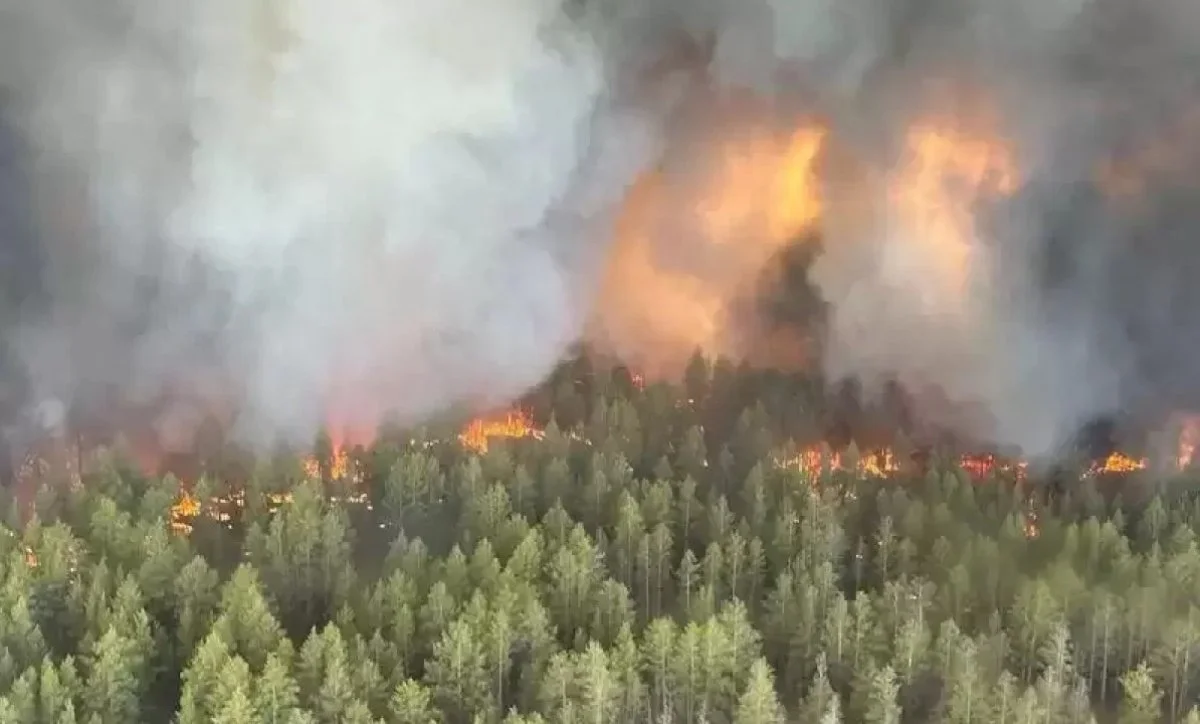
(648, 559)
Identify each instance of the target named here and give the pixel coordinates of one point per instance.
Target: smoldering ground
(276, 211)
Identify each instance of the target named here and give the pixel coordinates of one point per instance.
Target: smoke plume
(286, 212)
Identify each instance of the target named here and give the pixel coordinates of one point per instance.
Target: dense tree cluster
(646, 559)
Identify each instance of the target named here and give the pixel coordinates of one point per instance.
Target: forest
(616, 552)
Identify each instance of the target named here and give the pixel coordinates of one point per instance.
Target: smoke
(1068, 305)
(274, 209)
(277, 211)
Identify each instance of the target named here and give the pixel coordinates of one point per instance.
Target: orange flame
(1117, 463)
(981, 467)
(183, 512)
(341, 467)
(884, 463)
(1189, 437)
(686, 248)
(514, 424)
(881, 463)
(943, 173)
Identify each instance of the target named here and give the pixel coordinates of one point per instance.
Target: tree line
(650, 556)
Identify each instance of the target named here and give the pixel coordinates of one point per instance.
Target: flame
(983, 466)
(765, 188)
(1189, 436)
(944, 170)
(879, 464)
(183, 512)
(341, 466)
(687, 248)
(884, 463)
(513, 424)
(1117, 463)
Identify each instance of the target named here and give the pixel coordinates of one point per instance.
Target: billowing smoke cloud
(1069, 304)
(293, 207)
(284, 209)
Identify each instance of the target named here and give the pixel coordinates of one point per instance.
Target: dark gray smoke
(279, 209)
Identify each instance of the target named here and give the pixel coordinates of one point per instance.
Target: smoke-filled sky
(285, 212)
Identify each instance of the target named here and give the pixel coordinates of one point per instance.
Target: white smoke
(388, 207)
(376, 201)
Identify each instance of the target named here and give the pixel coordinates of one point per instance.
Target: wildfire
(513, 424)
(884, 463)
(690, 243)
(1116, 463)
(341, 466)
(878, 464)
(943, 173)
(185, 510)
(1033, 528)
(1189, 437)
(984, 466)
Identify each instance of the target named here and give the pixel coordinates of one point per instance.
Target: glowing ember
(1032, 527)
(883, 463)
(876, 464)
(984, 466)
(514, 424)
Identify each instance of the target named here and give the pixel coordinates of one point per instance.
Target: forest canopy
(616, 552)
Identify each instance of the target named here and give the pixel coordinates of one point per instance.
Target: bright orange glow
(1189, 437)
(877, 464)
(984, 466)
(341, 466)
(513, 424)
(689, 244)
(884, 463)
(1117, 463)
(765, 188)
(942, 174)
(185, 510)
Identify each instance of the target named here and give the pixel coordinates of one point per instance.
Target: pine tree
(237, 709)
(276, 694)
(457, 673)
(599, 690)
(759, 703)
(1141, 701)
(245, 621)
(113, 690)
(877, 700)
(200, 680)
(821, 695)
(412, 703)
